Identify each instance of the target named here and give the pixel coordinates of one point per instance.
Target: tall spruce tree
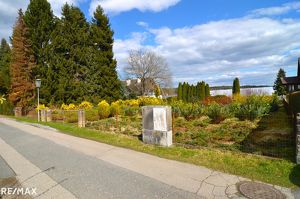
(103, 79)
(207, 90)
(236, 86)
(22, 62)
(70, 57)
(4, 67)
(39, 20)
(278, 87)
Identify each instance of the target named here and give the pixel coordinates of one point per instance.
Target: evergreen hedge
(294, 101)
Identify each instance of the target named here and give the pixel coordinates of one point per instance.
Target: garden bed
(251, 124)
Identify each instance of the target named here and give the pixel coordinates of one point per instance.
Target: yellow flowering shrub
(41, 107)
(120, 102)
(132, 102)
(103, 109)
(2, 99)
(143, 101)
(68, 107)
(237, 98)
(85, 105)
(116, 108)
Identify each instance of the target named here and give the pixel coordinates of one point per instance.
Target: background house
(134, 86)
(292, 83)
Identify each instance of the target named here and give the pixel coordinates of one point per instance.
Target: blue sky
(186, 13)
(214, 40)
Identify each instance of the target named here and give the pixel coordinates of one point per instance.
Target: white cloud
(277, 10)
(252, 49)
(142, 24)
(123, 47)
(118, 6)
(9, 12)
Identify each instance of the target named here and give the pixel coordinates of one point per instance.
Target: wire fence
(272, 135)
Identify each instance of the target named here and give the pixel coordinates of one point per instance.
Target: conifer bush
(103, 109)
(115, 108)
(255, 107)
(218, 112)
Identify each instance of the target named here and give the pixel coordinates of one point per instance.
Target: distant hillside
(230, 87)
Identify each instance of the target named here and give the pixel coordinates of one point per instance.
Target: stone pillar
(49, 115)
(157, 125)
(81, 118)
(298, 138)
(18, 111)
(43, 115)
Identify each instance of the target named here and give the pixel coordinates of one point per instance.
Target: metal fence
(272, 136)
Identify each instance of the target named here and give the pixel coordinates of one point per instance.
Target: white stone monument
(157, 125)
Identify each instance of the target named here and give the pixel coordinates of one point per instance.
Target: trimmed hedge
(294, 102)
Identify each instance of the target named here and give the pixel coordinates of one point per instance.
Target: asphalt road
(82, 175)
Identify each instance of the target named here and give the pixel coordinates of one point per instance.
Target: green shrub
(274, 103)
(57, 115)
(187, 110)
(6, 108)
(71, 116)
(130, 111)
(217, 112)
(202, 121)
(200, 138)
(255, 107)
(232, 130)
(91, 115)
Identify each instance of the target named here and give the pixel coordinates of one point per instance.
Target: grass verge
(275, 171)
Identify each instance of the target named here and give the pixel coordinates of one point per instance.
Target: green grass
(274, 171)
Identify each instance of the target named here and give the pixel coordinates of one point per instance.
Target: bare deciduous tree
(147, 65)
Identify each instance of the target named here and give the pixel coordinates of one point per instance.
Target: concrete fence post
(81, 118)
(298, 138)
(157, 125)
(18, 111)
(49, 115)
(43, 115)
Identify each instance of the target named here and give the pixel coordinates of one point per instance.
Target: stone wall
(298, 138)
